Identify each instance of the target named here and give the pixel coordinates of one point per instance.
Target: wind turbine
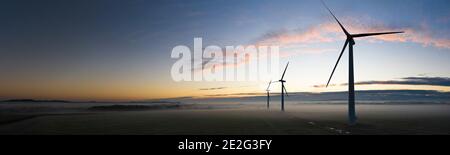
(351, 84)
(268, 95)
(283, 89)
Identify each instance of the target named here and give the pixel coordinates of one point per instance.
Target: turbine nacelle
(350, 40)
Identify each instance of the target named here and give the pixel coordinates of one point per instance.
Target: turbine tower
(283, 89)
(351, 83)
(268, 95)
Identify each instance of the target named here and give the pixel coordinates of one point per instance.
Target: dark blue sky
(111, 44)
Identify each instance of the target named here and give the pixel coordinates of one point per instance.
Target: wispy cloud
(429, 81)
(312, 34)
(236, 95)
(215, 88)
(374, 96)
(323, 86)
(221, 88)
(297, 41)
(330, 31)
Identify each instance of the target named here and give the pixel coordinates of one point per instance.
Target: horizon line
(174, 99)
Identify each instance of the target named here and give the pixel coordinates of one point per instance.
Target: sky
(121, 49)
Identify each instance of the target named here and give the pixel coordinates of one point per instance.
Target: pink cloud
(330, 31)
(288, 52)
(314, 34)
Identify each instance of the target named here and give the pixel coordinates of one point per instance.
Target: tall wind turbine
(283, 89)
(268, 95)
(351, 84)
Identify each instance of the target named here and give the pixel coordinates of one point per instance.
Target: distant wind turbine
(351, 84)
(268, 95)
(283, 89)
